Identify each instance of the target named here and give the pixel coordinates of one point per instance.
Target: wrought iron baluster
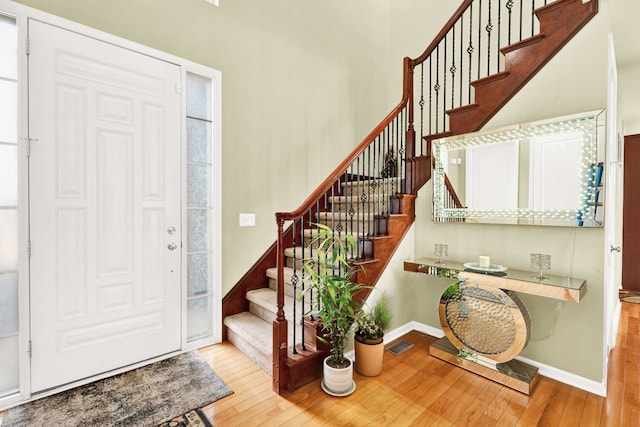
(436, 87)
(348, 200)
(479, 37)
(377, 177)
(366, 191)
(509, 6)
(421, 101)
(452, 70)
(498, 53)
(444, 86)
(312, 300)
(489, 28)
(430, 92)
(294, 284)
(533, 8)
(520, 20)
(470, 48)
(461, 58)
(302, 299)
(356, 194)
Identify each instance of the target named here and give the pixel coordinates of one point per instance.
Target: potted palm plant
(329, 283)
(368, 339)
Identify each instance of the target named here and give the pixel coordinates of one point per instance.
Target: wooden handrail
(452, 192)
(407, 93)
(339, 170)
(443, 32)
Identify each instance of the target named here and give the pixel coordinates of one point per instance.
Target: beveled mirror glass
(548, 172)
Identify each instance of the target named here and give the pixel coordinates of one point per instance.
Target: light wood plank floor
(416, 389)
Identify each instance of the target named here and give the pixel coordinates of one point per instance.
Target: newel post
(408, 87)
(279, 338)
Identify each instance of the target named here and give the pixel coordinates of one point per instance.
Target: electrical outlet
(247, 220)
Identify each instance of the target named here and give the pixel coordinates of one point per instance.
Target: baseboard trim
(545, 370)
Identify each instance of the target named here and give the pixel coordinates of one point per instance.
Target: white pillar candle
(484, 261)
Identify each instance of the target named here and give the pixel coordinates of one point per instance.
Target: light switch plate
(247, 220)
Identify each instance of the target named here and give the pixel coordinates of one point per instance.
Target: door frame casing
(22, 14)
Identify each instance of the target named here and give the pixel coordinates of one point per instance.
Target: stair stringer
(559, 22)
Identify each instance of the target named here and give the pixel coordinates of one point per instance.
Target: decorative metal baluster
(430, 93)
(302, 274)
(378, 178)
(520, 21)
(294, 283)
(479, 37)
(452, 69)
(461, 58)
(470, 48)
(401, 148)
(533, 8)
(348, 197)
(421, 101)
(436, 87)
(498, 53)
(366, 189)
(509, 6)
(444, 86)
(489, 28)
(356, 195)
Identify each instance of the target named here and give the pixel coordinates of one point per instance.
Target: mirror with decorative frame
(548, 172)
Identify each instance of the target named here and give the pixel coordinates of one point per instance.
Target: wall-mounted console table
(486, 324)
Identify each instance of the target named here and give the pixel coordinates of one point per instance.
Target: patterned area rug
(146, 396)
(195, 418)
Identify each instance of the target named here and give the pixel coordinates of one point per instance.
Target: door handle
(616, 249)
(172, 246)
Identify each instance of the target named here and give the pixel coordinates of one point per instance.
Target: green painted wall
(296, 75)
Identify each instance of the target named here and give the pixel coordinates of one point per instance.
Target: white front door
(104, 168)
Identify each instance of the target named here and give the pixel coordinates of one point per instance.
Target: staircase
(251, 330)
(466, 75)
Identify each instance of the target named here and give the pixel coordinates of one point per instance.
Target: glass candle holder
(540, 262)
(441, 250)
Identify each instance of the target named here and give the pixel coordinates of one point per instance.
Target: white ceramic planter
(338, 381)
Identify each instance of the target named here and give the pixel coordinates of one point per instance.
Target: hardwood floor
(416, 389)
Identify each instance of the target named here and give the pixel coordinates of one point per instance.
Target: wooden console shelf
(557, 287)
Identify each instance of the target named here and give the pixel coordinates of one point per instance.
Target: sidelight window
(200, 206)
(9, 377)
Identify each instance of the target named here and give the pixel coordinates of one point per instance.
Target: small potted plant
(368, 343)
(329, 283)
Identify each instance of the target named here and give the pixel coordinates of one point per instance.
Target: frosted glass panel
(198, 141)
(198, 274)
(8, 175)
(9, 368)
(199, 318)
(8, 304)
(199, 195)
(198, 97)
(199, 226)
(198, 186)
(8, 112)
(8, 239)
(8, 47)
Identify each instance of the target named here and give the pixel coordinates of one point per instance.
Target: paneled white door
(105, 125)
